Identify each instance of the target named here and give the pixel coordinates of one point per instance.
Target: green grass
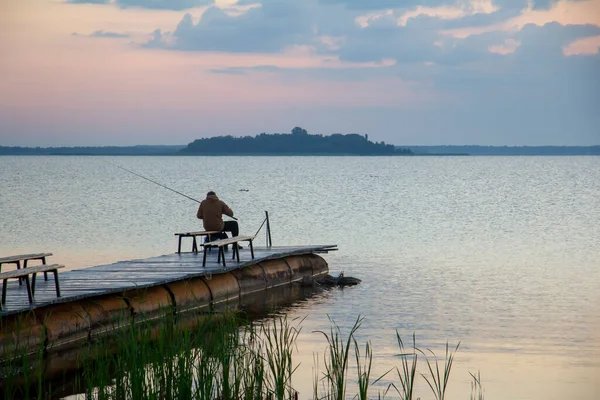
(227, 358)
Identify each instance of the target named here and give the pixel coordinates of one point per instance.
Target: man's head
(211, 193)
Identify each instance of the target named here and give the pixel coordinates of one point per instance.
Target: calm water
(499, 253)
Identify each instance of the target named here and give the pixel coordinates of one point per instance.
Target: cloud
(374, 5)
(245, 70)
(414, 42)
(534, 75)
(586, 46)
(495, 71)
(380, 4)
(320, 70)
(508, 47)
(483, 19)
(150, 4)
(106, 34)
(415, 35)
(547, 42)
(451, 12)
(267, 29)
(88, 1)
(482, 62)
(157, 40)
(579, 12)
(164, 4)
(512, 77)
(230, 71)
(543, 4)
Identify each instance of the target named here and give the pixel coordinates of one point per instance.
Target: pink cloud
(589, 45)
(564, 12)
(508, 47)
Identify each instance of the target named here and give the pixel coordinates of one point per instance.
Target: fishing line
(159, 184)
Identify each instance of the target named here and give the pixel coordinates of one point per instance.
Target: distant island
(506, 150)
(298, 142)
(92, 151)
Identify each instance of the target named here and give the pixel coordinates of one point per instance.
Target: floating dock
(96, 300)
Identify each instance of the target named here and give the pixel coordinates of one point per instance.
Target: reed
(279, 341)
(363, 367)
(227, 358)
(408, 371)
(315, 376)
(476, 388)
(254, 382)
(336, 359)
(438, 379)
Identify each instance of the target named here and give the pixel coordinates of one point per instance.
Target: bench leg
(56, 282)
(19, 267)
(251, 249)
(45, 273)
(208, 239)
(194, 245)
(222, 254)
(29, 294)
(179, 245)
(204, 258)
(4, 281)
(33, 284)
(235, 250)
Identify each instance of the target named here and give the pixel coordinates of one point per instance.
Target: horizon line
(396, 145)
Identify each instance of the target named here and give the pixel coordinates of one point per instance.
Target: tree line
(298, 142)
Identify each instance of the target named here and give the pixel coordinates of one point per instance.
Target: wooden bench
(24, 273)
(24, 258)
(193, 235)
(220, 244)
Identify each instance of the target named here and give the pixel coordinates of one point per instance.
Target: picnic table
(23, 272)
(24, 258)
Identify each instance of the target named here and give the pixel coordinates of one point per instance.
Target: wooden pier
(133, 275)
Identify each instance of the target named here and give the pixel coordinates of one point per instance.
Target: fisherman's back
(211, 210)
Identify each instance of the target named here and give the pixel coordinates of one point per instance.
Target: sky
(406, 72)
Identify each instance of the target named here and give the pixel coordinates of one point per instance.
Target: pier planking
(140, 273)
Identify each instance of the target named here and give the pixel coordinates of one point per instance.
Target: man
(210, 212)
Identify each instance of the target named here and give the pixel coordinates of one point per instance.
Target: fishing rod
(160, 184)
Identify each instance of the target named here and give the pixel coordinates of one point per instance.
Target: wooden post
(29, 293)
(56, 283)
(269, 241)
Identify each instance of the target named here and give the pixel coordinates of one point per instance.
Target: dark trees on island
(298, 142)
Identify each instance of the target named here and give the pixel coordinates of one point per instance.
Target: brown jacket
(210, 211)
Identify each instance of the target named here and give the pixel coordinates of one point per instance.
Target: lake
(501, 254)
